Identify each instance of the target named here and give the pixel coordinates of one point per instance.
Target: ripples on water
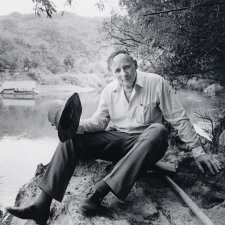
(198, 102)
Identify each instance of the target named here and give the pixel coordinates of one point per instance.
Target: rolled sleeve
(175, 114)
(100, 118)
(198, 151)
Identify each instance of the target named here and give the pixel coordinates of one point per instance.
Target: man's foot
(93, 204)
(29, 212)
(89, 206)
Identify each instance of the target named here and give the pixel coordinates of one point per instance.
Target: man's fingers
(200, 167)
(209, 165)
(212, 163)
(216, 168)
(216, 165)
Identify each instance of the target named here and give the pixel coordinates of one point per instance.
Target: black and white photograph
(112, 112)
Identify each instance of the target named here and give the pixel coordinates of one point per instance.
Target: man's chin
(127, 85)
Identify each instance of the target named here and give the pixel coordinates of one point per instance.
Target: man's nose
(123, 73)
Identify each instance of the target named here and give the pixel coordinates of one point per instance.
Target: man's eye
(117, 71)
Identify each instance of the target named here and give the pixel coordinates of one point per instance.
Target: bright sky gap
(85, 8)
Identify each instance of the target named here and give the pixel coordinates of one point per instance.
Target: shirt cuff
(196, 152)
(80, 129)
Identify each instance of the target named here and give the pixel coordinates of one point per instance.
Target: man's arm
(99, 119)
(174, 113)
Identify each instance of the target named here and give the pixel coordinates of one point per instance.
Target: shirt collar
(139, 82)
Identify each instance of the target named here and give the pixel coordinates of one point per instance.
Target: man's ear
(135, 63)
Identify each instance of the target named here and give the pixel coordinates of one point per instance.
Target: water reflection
(19, 158)
(30, 120)
(17, 99)
(27, 138)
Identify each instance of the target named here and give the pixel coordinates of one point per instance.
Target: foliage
(45, 6)
(173, 37)
(69, 62)
(48, 7)
(64, 43)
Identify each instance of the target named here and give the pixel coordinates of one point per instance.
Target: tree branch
(185, 8)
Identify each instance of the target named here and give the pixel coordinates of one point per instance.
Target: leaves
(175, 37)
(45, 6)
(56, 45)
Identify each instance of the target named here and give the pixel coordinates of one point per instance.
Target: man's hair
(114, 54)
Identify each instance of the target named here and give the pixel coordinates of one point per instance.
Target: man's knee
(159, 130)
(66, 146)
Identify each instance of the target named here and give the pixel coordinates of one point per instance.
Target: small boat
(18, 88)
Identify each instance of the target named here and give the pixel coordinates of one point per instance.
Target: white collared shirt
(151, 99)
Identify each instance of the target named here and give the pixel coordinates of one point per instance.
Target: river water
(27, 138)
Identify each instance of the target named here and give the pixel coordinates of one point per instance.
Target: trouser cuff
(47, 190)
(119, 192)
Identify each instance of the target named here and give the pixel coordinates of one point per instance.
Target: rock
(138, 206)
(217, 211)
(222, 139)
(201, 132)
(213, 89)
(40, 169)
(151, 200)
(207, 189)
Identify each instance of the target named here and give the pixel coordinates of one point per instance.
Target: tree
(8, 25)
(173, 37)
(48, 7)
(69, 62)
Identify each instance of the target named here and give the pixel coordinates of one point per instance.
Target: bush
(198, 84)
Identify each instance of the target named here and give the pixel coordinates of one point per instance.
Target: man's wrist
(80, 129)
(198, 151)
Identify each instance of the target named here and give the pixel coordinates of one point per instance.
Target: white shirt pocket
(143, 113)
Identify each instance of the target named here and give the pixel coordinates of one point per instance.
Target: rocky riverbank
(151, 200)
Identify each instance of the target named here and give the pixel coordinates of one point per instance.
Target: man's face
(124, 69)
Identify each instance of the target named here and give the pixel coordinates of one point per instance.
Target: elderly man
(134, 104)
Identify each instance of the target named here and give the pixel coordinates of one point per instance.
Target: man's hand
(210, 161)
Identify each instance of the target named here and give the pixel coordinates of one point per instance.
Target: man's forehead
(121, 58)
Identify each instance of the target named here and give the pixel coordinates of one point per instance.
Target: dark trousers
(132, 153)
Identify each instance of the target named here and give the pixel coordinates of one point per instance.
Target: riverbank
(151, 200)
(83, 80)
(95, 81)
(208, 86)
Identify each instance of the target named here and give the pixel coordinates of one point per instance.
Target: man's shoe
(29, 212)
(89, 206)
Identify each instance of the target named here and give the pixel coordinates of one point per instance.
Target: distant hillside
(67, 43)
